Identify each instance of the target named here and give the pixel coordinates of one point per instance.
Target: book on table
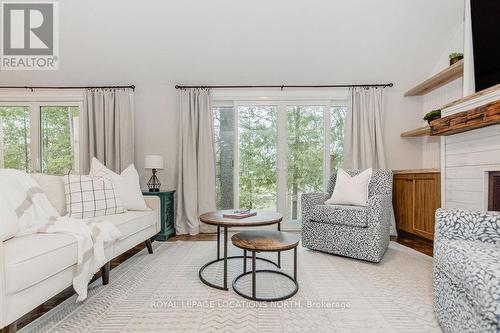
(239, 214)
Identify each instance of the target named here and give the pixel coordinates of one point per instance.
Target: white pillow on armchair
(350, 190)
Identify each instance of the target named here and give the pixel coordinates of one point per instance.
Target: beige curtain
(107, 128)
(196, 181)
(363, 144)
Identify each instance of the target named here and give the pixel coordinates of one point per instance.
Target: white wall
(156, 130)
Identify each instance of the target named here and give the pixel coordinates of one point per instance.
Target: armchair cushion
(474, 267)
(353, 216)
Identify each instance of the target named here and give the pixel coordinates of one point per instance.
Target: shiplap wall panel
(468, 156)
(467, 184)
(431, 148)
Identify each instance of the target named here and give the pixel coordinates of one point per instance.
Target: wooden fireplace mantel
(482, 116)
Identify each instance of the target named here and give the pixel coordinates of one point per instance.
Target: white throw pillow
(91, 197)
(53, 186)
(127, 184)
(350, 190)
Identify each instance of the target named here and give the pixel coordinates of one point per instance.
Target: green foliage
(257, 157)
(456, 55)
(14, 137)
(57, 144)
(305, 126)
(57, 133)
(434, 114)
(337, 126)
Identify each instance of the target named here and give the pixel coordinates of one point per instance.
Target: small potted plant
(434, 114)
(455, 56)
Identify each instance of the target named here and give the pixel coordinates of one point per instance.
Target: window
(257, 157)
(305, 158)
(40, 136)
(224, 150)
(59, 139)
(15, 145)
(269, 153)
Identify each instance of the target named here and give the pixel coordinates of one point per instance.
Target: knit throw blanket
(35, 214)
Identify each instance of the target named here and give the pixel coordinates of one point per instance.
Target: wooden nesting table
(216, 218)
(265, 241)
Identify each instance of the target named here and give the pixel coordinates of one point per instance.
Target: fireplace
(494, 190)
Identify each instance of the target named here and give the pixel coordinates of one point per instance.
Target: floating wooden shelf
(481, 116)
(440, 79)
(422, 131)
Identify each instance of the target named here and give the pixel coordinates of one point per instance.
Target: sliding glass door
(269, 154)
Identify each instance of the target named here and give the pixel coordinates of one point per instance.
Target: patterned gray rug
(162, 293)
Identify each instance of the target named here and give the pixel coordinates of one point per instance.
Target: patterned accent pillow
(91, 196)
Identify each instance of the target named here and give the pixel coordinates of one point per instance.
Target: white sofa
(36, 267)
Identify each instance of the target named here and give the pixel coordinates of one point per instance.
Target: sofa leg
(105, 273)
(149, 246)
(12, 328)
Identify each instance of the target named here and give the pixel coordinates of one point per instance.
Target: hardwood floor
(414, 242)
(417, 243)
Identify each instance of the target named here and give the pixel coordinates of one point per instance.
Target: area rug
(162, 293)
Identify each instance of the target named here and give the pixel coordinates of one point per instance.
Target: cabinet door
(427, 200)
(403, 201)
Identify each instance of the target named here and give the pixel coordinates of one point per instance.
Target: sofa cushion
(353, 216)
(473, 266)
(32, 258)
(132, 222)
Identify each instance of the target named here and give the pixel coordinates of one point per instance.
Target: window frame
(34, 100)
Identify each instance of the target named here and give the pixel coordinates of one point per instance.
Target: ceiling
(266, 42)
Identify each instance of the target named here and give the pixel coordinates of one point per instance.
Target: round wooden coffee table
(216, 218)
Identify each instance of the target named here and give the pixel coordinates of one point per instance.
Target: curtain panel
(363, 143)
(196, 180)
(108, 128)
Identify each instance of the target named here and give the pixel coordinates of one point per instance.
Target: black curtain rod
(67, 87)
(291, 86)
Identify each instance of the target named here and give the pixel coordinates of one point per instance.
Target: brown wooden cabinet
(416, 196)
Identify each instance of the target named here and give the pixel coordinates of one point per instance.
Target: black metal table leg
(295, 264)
(218, 242)
(253, 274)
(225, 258)
(279, 252)
(244, 261)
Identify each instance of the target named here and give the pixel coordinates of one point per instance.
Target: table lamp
(153, 162)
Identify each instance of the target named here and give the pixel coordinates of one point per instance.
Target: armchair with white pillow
(353, 217)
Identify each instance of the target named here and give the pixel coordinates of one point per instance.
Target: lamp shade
(153, 162)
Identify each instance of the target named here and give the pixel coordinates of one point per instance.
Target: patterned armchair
(351, 231)
(466, 275)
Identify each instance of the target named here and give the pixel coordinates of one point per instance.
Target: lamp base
(154, 183)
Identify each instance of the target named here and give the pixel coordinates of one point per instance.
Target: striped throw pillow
(91, 197)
